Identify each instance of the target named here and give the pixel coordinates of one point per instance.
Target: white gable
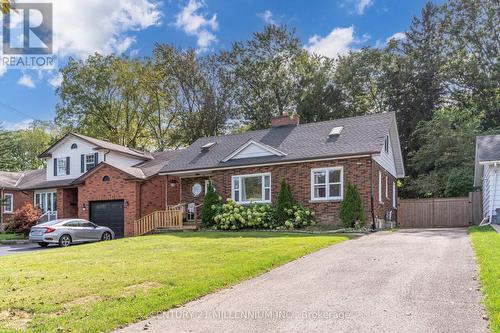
(72, 148)
(253, 149)
(386, 159)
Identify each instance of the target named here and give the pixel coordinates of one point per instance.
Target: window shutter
(96, 159)
(55, 166)
(82, 163)
(67, 166)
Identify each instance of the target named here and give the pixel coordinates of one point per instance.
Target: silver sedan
(69, 231)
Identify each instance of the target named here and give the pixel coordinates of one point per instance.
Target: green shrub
(283, 203)
(297, 217)
(233, 216)
(211, 206)
(352, 213)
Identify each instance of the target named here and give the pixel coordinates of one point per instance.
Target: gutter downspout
(372, 210)
(495, 171)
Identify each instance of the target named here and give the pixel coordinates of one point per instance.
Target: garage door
(108, 214)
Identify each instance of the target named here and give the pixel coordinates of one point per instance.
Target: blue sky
(134, 26)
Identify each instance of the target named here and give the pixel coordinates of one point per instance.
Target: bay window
(251, 188)
(327, 184)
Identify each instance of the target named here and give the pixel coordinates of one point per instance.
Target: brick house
(106, 183)
(316, 159)
(114, 186)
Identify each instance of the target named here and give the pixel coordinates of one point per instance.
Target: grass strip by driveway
(10, 236)
(486, 243)
(99, 287)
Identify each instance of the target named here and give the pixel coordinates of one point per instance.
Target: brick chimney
(285, 120)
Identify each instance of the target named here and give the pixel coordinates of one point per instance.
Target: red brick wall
(173, 190)
(356, 171)
(20, 199)
(382, 208)
(117, 188)
(67, 203)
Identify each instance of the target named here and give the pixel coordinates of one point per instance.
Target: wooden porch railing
(170, 218)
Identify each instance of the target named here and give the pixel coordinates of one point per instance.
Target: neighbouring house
(316, 159)
(487, 175)
(106, 183)
(119, 187)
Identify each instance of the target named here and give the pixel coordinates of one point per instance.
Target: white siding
(64, 150)
(489, 196)
(386, 160)
(252, 151)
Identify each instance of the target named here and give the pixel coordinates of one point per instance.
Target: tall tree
(199, 95)
(264, 75)
(104, 97)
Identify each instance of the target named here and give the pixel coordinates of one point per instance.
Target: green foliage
(23, 219)
(19, 150)
(233, 216)
(283, 203)
(211, 204)
(444, 164)
(352, 213)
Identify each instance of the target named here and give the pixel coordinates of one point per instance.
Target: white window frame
(328, 183)
(240, 178)
(387, 187)
(386, 144)
(53, 203)
(7, 209)
(380, 186)
(61, 162)
(394, 204)
(89, 165)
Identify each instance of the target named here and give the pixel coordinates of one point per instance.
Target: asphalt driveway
(20, 248)
(406, 281)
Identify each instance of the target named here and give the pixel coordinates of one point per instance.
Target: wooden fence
(170, 218)
(440, 212)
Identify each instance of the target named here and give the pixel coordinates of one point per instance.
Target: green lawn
(10, 236)
(98, 287)
(486, 243)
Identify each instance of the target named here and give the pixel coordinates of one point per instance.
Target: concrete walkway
(405, 281)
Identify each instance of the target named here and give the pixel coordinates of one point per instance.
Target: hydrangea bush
(232, 216)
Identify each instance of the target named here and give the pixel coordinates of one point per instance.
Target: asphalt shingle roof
(488, 148)
(360, 135)
(9, 179)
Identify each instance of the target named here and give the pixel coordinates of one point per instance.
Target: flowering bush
(232, 216)
(23, 219)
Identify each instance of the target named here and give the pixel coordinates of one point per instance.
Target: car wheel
(42, 244)
(65, 241)
(106, 236)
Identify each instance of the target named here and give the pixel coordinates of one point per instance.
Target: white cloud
(82, 27)
(26, 80)
(338, 42)
(196, 23)
(396, 36)
(23, 124)
(267, 16)
(56, 80)
(359, 6)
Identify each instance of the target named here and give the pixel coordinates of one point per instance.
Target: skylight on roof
(207, 146)
(336, 131)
